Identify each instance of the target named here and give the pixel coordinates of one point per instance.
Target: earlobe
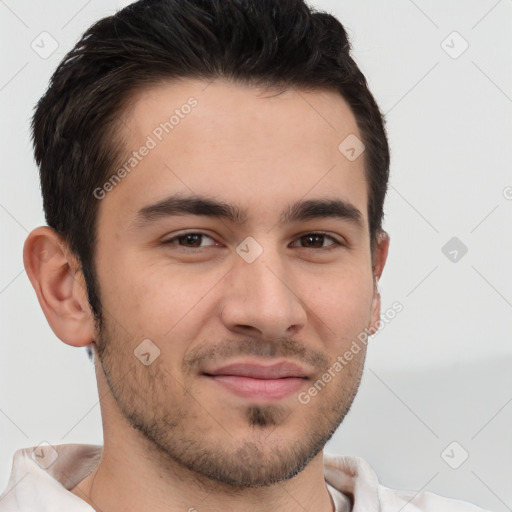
(379, 260)
(58, 282)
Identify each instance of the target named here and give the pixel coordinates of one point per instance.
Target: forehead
(235, 142)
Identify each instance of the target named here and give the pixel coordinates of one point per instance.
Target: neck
(127, 479)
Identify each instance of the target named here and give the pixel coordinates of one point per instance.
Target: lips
(256, 371)
(257, 382)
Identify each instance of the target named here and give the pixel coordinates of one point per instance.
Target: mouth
(258, 382)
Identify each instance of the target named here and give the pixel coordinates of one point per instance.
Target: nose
(261, 299)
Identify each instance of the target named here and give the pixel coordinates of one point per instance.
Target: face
(222, 311)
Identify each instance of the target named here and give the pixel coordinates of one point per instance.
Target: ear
(59, 285)
(379, 258)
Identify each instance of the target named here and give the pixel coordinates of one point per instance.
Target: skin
(173, 438)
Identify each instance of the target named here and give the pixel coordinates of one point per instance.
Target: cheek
(133, 295)
(344, 301)
(161, 300)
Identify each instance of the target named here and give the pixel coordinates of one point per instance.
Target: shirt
(41, 479)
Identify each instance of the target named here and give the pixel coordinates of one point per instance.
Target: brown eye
(189, 240)
(316, 241)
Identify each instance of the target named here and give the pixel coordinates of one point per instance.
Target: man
(213, 176)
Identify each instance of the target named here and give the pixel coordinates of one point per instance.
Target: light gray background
(441, 370)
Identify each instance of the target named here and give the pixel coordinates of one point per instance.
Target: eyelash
(335, 245)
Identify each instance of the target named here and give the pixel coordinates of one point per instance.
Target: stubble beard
(176, 438)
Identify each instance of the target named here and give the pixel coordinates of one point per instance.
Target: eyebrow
(176, 205)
